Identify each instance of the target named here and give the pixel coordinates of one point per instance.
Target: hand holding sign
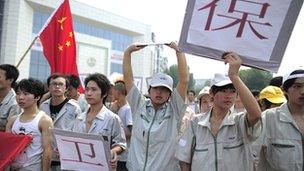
(79, 151)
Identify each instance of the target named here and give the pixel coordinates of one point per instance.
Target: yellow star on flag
(68, 43)
(61, 22)
(60, 47)
(71, 34)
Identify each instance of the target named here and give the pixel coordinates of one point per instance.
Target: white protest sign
(258, 30)
(79, 151)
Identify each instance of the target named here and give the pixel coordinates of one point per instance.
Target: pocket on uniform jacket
(281, 153)
(235, 152)
(159, 135)
(229, 147)
(200, 153)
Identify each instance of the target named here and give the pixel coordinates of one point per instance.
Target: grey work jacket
(229, 150)
(282, 144)
(107, 124)
(66, 115)
(155, 133)
(8, 107)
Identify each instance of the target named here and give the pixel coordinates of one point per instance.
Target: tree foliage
(255, 79)
(172, 71)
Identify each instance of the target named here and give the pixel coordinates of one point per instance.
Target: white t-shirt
(125, 115)
(33, 153)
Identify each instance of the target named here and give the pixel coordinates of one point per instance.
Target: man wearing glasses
(62, 110)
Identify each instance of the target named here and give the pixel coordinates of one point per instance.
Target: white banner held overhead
(80, 151)
(258, 30)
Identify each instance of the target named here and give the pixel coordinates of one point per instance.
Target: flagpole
(27, 50)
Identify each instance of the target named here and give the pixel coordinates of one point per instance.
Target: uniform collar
(100, 115)
(11, 94)
(228, 120)
(284, 113)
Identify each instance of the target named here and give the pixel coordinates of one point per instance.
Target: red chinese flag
(11, 146)
(58, 41)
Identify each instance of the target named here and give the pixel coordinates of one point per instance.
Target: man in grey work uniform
(8, 104)
(221, 139)
(283, 129)
(62, 110)
(156, 120)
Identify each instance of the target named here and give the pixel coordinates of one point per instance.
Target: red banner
(58, 41)
(10, 146)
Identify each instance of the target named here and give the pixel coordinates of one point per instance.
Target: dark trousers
(121, 166)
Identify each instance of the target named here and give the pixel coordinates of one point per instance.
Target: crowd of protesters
(225, 127)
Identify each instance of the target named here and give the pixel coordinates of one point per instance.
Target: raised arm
(182, 68)
(127, 67)
(250, 103)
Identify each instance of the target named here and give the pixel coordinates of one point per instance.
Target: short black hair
(192, 91)
(102, 82)
(255, 92)
(74, 81)
(32, 86)
(287, 84)
(58, 75)
(276, 81)
(120, 86)
(266, 102)
(214, 89)
(11, 72)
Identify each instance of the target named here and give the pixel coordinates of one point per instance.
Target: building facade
(101, 38)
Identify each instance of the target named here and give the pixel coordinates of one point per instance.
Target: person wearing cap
(156, 121)
(204, 98)
(283, 128)
(220, 139)
(270, 97)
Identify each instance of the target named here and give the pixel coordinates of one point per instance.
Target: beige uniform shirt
(8, 107)
(229, 150)
(282, 143)
(64, 119)
(107, 124)
(66, 115)
(155, 133)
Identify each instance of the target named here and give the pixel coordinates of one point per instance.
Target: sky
(166, 18)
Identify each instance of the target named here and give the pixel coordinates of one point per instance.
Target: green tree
(255, 79)
(172, 71)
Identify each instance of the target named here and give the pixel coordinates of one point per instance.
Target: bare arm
(250, 103)
(184, 166)
(45, 124)
(127, 67)
(10, 123)
(128, 132)
(182, 68)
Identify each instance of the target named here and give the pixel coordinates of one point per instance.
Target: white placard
(79, 151)
(258, 30)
